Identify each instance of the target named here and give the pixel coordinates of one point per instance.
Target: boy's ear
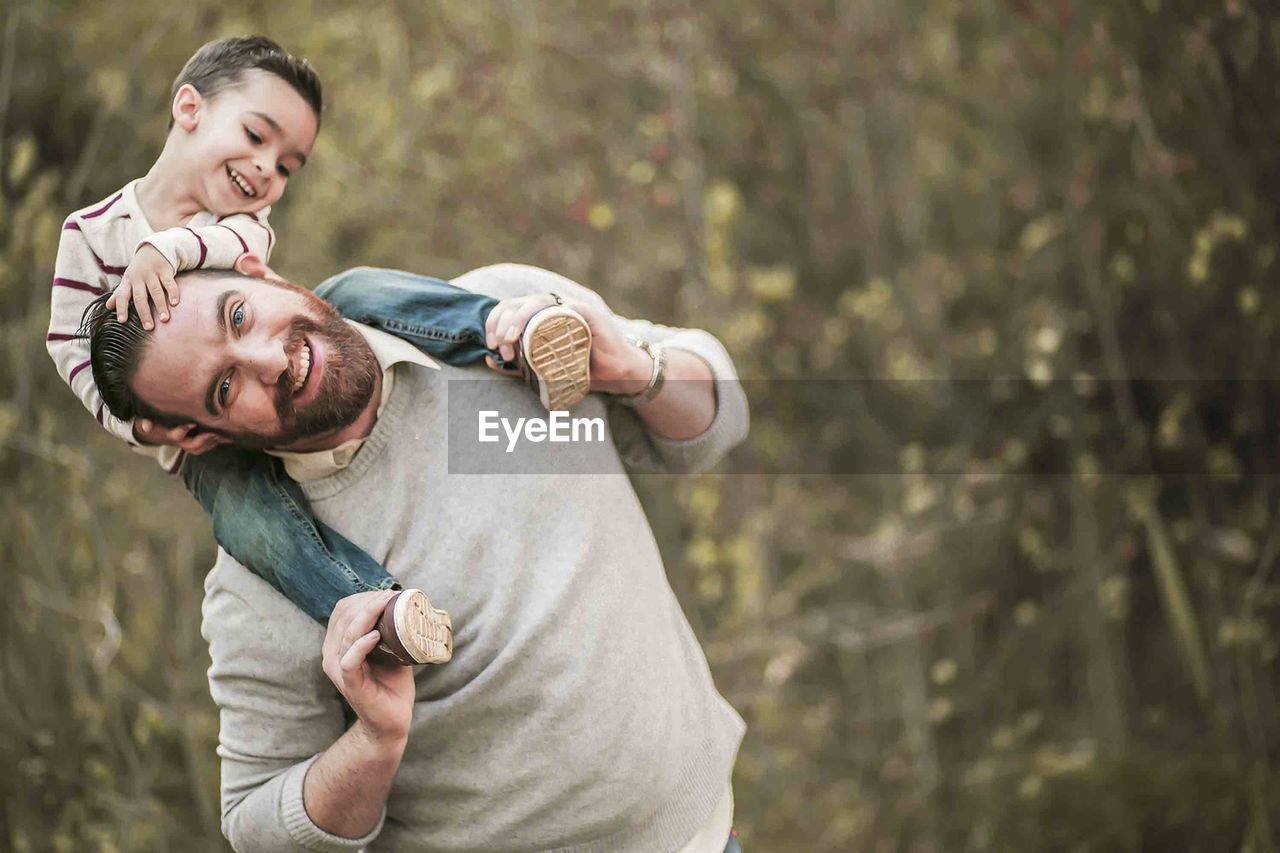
(187, 104)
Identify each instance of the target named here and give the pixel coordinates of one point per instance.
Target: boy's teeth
(240, 183)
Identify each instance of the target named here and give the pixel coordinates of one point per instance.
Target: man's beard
(346, 385)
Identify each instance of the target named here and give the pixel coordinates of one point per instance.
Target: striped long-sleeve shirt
(98, 243)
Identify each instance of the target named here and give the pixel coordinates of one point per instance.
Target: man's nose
(266, 359)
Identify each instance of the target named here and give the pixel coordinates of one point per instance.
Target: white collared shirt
(389, 351)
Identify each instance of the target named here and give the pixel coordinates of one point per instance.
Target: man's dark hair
(221, 64)
(115, 351)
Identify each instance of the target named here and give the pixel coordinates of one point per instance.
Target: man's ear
(251, 264)
(187, 104)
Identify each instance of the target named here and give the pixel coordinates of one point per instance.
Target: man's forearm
(686, 405)
(347, 786)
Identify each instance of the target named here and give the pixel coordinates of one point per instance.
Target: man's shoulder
(508, 280)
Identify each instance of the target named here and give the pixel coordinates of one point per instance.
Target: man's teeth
(304, 368)
(241, 183)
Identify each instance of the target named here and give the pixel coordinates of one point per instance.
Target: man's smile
(302, 366)
(306, 372)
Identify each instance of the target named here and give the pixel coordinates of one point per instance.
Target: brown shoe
(412, 631)
(555, 356)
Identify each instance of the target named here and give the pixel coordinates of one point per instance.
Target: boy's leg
(448, 322)
(440, 319)
(262, 519)
(259, 517)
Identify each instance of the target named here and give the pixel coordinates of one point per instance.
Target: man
(578, 712)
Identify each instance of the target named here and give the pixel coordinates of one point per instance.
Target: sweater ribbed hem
(689, 805)
(689, 455)
(728, 428)
(301, 828)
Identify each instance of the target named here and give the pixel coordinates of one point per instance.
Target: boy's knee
(346, 284)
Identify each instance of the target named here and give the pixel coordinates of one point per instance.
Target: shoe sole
(425, 632)
(558, 350)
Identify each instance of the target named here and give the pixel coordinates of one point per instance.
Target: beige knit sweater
(578, 713)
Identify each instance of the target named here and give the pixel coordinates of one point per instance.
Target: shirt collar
(389, 351)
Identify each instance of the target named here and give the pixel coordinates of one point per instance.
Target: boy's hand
(149, 278)
(617, 365)
(507, 321)
(149, 432)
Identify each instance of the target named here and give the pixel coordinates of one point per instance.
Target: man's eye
(253, 137)
(223, 390)
(237, 316)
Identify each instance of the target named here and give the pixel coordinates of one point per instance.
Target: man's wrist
(387, 746)
(656, 378)
(632, 377)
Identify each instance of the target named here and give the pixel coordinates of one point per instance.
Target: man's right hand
(381, 695)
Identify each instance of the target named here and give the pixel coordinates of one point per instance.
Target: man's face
(269, 365)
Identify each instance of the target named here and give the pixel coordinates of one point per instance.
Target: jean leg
(262, 519)
(442, 320)
(733, 846)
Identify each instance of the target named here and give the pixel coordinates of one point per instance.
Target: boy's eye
(253, 137)
(284, 172)
(237, 316)
(223, 390)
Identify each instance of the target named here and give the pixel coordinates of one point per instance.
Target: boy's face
(242, 145)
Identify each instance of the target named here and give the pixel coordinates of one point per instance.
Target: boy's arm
(77, 280)
(216, 246)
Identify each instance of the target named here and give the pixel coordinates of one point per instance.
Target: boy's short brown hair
(220, 64)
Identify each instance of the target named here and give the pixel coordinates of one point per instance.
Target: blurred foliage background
(960, 651)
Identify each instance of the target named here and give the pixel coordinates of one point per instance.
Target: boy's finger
(171, 285)
(156, 291)
(505, 371)
(141, 304)
(120, 301)
(491, 326)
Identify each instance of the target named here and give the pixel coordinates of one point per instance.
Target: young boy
(245, 115)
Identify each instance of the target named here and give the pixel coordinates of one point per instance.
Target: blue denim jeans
(733, 846)
(260, 515)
